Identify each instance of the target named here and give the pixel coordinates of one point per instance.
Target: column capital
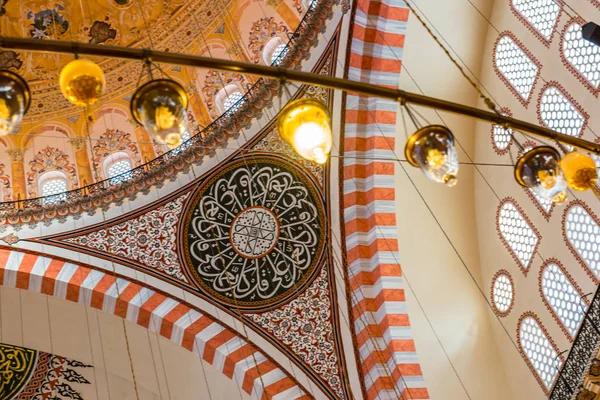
(16, 155)
(78, 143)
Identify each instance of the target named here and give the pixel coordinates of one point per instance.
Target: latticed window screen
(539, 350)
(583, 55)
(502, 293)
(233, 102)
(278, 54)
(541, 14)
(583, 234)
(119, 171)
(562, 297)
(502, 137)
(559, 114)
(518, 69)
(55, 189)
(515, 230)
(184, 143)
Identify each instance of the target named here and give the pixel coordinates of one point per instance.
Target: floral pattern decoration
(148, 240)
(215, 81)
(48, 23)
(306, 326)
(50, 159)
(260, 33)
(111, 141)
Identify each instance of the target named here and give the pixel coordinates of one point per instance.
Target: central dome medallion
(254, 233)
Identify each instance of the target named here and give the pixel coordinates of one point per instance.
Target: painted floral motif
(10, 59)
(148, 240)
(111, 141)
(305, 325)
(50, 159)
(214, 82)
(48, 23)
(260, 33)
(100, 32)
(5, 184)
(34, 375)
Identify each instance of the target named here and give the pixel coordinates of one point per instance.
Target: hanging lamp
(15, 99)
(306, 125)
(161, 107)
(82, 82)
(431, 149)
(539, 170)
(580, 171)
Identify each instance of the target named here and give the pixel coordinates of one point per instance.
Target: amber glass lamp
(306, 125)
(579, 170)
(82, 82)
(161, 107)
(431, 149)
(539, 169)
(15, 99)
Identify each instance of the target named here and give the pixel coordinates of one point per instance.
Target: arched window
(538, 350)
(229, 99)
(581, 228)
(53, 186)
(117, 168)
(562, 297)
(559, 112)
(540, 15)
(274, 51)
(517, 233)
(515, 66)
(501, 137)
(503, 292)
(581, 56)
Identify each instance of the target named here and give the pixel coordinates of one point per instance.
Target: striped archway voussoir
(180, 323)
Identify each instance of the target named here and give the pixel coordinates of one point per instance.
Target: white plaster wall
(438, 244)
(492, 252)
(163, 370)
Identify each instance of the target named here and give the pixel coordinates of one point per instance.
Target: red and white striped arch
(181, 323)
(386, 349)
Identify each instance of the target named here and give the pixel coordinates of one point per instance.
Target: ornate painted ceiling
(56, 136)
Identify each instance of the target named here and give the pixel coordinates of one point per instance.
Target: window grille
(517, 68)
(583, 234)
(539, 351)
(561, 295)
(540, 14)
(584, 56)
(120, 171)
(56, 189)
(559, 114)
(520, 237)
(233, 102)
(502, 293)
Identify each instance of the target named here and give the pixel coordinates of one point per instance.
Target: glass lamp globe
(160, 106)
(579, 170)
(431, 148)
(539, 170)
(306, 125)
(82, 82)
(15, 99)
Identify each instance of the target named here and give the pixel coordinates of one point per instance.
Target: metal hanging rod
(283, 74)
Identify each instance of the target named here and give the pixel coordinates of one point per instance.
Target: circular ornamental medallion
(254, 233)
